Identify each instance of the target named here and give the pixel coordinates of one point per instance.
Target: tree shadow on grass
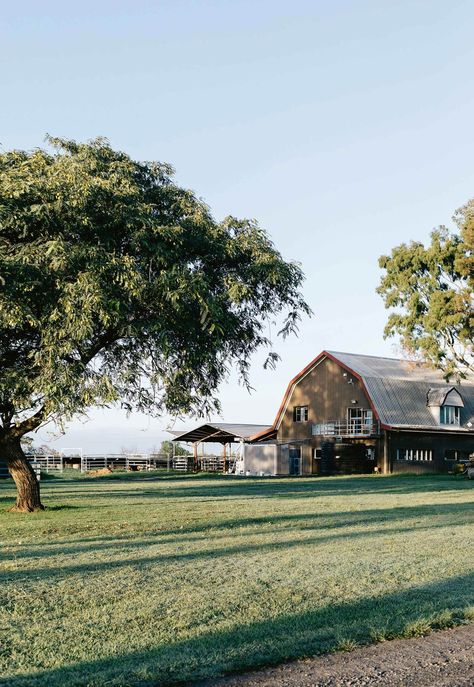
(66, 506)
(267, 642)
(453, 514)
(229, 487)
(333, 532)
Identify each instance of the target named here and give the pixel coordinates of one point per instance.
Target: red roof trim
(296, 379)
(262, 435)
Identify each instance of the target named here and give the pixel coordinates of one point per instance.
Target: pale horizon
(343, 128)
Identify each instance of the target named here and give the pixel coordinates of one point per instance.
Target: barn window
(415, 454)
(454, 454)
(300, 414)
(450, 415)
(360, 420)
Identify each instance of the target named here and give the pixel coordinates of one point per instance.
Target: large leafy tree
(118, 286)
(430, 289)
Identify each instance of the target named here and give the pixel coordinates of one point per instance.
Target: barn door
(295, 460)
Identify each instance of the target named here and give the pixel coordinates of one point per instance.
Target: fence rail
(48, 463)
(97, 461)
(57, 462)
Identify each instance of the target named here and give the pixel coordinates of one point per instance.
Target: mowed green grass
(150, 582)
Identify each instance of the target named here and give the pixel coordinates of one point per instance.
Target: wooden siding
(328, 394)
(326, 390)
(437, 442)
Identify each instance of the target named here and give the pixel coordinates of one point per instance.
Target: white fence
(75, 458)
(48, 463)
(127, 461)
(85, 462)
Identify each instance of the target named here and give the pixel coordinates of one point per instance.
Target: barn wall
(437, 442)
(283, 460)
(328, 394)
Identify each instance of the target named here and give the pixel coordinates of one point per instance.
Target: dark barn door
(295, 460)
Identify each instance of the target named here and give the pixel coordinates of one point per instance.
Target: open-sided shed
(223, 433)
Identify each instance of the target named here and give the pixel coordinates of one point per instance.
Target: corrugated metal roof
(399, 388)
(375, 366)
(220, 431)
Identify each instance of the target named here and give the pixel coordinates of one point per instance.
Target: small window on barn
(450, 415)
(300, 414)
(454, 454)
(415, 454)
(317, 453)
(370, 453)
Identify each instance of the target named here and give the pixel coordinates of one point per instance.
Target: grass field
(149, 582)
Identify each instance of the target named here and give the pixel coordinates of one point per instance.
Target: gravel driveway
(441, 659)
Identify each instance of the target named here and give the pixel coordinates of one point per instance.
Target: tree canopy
(177, 449)
(431, 291)
(119, 286)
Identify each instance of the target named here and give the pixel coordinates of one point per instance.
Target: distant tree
(431, 290)
(118, 286)
(31, 449)
(129, 450)
(28, 446)
(167, 447)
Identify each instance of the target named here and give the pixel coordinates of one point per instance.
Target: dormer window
(450, 415)
(445, 404)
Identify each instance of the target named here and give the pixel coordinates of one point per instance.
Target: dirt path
(442, 659)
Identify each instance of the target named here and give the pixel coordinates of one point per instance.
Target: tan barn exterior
(347, 413)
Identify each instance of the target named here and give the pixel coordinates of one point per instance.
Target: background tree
(167, 447)
(431, 289)
(118, 286)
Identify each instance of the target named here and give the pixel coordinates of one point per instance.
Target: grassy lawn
(149, 582)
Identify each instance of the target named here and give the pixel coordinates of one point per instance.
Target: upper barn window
(300, 414)
(450, 415)
(445, 404)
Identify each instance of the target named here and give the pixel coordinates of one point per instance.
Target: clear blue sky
(345, 128)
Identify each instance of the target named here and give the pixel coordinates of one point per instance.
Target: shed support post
(386, 454)
(224, 456)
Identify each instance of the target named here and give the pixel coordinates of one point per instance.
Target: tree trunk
(28, 488)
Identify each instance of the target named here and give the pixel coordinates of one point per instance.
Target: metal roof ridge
(379, 357)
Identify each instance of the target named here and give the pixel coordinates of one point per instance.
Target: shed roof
(221, 432)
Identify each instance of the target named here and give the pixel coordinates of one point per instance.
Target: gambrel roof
(397, 390)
